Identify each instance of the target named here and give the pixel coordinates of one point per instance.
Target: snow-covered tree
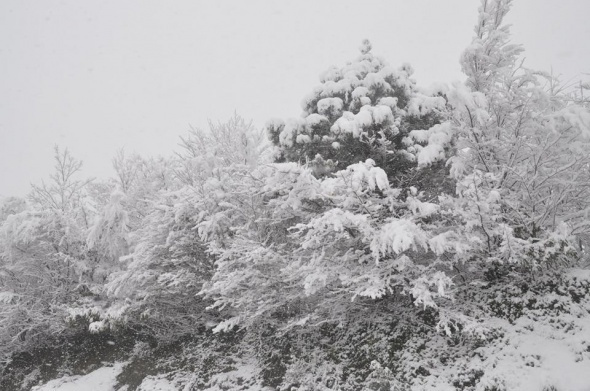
(43, 263)
(164, 271)
(63, 193)
(235, 141)
(140, 179)
(108, 237)
(521, 151)
(170, 255)
(10, 206)
(349, 238)
(360, 111)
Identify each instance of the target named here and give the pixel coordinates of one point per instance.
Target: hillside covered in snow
(392, 237)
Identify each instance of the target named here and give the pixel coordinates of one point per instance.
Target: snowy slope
(103, 379)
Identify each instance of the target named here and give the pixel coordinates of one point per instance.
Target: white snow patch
(103, 379)
(541, 358)
(329, 106)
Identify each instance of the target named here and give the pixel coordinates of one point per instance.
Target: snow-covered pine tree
(362, 110)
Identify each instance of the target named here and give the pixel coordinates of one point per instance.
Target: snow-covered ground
(103, 379)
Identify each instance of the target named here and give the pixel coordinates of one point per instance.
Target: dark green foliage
(468, 380)
(513, 295)
(202, 354)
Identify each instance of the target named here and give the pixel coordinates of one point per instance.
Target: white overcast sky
(98, 75)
